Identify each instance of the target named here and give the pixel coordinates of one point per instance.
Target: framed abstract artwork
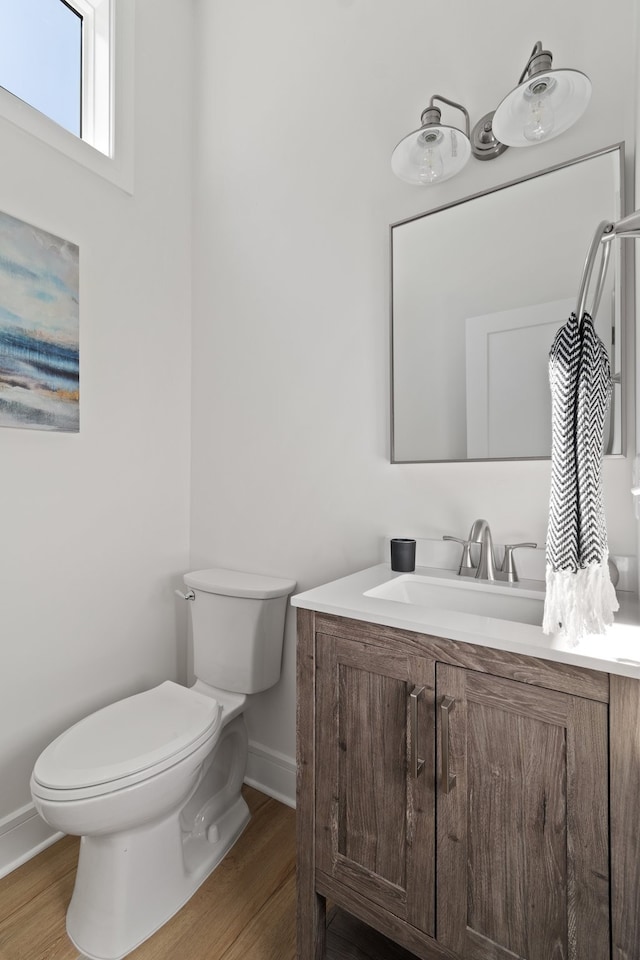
(39, 329)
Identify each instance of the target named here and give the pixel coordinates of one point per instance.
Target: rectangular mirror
(478, 290)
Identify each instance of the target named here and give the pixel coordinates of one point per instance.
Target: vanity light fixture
(544, 104)
(435, 152)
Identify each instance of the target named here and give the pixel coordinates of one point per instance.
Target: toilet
(152, 783)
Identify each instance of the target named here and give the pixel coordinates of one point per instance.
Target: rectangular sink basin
(499, 600)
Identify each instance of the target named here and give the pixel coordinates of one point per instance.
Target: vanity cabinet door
(523, 856)
(375, 766)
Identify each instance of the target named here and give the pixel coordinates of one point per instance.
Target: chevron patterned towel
(580, 598)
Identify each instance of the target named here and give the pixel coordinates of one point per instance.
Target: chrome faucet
(486, 569)
(481, 533)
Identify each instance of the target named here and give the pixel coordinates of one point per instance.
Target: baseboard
(23, 834)
(271, 772)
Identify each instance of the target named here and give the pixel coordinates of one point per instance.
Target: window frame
(106, 144)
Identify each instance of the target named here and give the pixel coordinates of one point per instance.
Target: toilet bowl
(152, 783)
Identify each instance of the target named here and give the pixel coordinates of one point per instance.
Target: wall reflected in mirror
(479, 289)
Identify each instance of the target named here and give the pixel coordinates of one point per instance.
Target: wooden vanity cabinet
(454, 798)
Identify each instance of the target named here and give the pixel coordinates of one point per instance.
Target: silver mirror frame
(626, 297)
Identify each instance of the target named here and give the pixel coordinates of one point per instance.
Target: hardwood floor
(245, 909)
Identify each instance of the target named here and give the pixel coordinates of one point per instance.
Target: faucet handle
(508, 564)
(466, 568)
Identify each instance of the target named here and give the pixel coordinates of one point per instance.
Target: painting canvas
(39, 329)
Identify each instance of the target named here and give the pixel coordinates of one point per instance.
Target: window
(41, 58)
(60, 63)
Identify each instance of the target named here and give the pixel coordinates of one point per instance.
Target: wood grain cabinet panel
(375, 818)
(523, 851)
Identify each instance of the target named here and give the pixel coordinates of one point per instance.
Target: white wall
(94, 526)
(300, 107)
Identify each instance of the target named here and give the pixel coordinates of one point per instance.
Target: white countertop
(617, 651)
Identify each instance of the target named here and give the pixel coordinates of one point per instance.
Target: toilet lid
(235, 583)
(128, 737)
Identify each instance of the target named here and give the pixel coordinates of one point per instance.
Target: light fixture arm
(542, 60)
(426, 118)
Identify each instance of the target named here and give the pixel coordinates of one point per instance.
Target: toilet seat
(126, 742)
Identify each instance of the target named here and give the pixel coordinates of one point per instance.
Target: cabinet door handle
(448, 781)
(417, 765)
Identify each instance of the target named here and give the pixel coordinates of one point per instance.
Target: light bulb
(541, 116)
(428, 160)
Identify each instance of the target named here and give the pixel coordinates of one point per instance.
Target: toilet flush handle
(186, 596)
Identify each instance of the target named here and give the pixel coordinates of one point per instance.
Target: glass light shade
(542, 107)
(430, 155)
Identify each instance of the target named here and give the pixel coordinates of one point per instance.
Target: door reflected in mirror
(479, 289)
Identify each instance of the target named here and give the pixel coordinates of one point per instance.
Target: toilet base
(129, 884)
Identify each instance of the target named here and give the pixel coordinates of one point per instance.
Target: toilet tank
(238, 628)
